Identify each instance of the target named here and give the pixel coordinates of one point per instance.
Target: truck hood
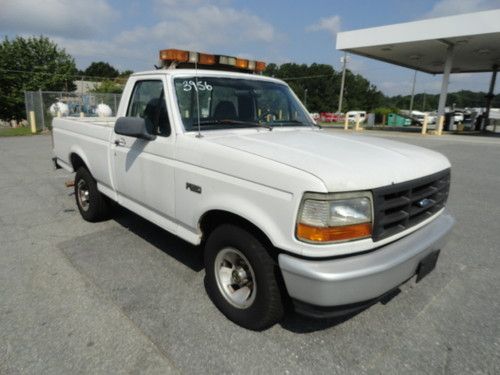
(344, 162)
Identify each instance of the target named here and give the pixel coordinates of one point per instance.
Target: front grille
(400, 206)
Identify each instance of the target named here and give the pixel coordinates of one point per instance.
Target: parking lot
(126, 296)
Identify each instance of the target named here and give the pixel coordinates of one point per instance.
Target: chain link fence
(46, 104)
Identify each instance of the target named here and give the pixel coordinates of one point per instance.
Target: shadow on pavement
(301, 324)
(296, 323)
(189, 255)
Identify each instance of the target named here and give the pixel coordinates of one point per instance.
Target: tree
(126, 73)
(318, 79)
(101, 69)
(429, 102)
(322, 83)
(108, 86)
(31, 64)
(360, 94)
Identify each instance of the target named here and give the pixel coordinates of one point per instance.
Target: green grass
(13, 132)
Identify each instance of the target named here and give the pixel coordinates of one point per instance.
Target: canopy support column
(446, 78)
(490, 96)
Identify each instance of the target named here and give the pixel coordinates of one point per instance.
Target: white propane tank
(60, 107)
(103, 110)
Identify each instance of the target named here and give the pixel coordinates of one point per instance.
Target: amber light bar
(181, 56)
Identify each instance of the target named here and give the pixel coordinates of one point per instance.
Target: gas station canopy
(422, 45)
(454, 44)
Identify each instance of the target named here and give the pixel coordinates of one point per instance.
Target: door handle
(120, 142)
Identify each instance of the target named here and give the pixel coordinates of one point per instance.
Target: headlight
(327, 218)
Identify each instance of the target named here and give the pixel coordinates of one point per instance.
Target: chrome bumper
(358, 278)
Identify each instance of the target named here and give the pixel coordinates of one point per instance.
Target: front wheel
(241, 278)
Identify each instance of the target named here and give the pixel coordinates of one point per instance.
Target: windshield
(236, 103)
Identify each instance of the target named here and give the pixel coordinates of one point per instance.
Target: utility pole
(305, 98)
(413, 92)
(341, 96)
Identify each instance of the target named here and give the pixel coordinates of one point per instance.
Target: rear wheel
(241, 278)
(92, 204)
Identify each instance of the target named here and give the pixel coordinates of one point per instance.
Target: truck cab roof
(206, 72)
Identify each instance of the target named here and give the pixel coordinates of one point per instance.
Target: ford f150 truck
(285, 211)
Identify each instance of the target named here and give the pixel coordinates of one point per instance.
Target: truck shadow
(300, 324)
(189, 255)
(296, 323)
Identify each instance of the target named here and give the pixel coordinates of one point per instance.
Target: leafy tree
(101, 69)
(322, 83)
(126, 73)
(318, 79)
(360, 94)
(31, 64)
(429, 102)
(108, 86)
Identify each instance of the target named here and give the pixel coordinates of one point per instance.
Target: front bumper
(367, 277)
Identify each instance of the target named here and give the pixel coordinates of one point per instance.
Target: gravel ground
(124, 296)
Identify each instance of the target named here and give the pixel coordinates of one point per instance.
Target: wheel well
(212, 219)
(77, 162)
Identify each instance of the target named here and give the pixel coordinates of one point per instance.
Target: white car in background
(352, 115)
(431, 118)
(458, 117)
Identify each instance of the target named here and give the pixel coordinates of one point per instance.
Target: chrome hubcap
(235, 278)
(82, 192)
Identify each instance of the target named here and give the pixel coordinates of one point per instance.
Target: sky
(128, 33)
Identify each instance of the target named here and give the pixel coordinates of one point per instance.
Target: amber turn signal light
(331, 234)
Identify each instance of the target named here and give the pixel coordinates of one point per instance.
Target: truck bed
(93, 135)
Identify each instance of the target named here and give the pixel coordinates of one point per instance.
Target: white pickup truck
(285, 211)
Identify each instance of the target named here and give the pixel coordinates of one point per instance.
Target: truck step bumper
(362, 278)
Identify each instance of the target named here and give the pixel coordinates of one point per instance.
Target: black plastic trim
(396, 206)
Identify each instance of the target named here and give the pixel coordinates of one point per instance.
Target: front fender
(257, 214)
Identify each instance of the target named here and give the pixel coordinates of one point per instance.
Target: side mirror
(133, 127)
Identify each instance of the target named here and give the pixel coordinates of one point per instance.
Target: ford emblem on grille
(424, 202)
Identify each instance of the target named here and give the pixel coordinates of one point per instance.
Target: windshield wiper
(235, 122)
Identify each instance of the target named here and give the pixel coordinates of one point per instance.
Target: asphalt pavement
(124, 296)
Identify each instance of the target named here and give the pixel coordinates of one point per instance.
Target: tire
(264, 305)
(92, 204)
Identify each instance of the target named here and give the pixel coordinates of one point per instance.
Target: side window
(148, 102)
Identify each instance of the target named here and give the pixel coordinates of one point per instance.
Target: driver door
(144, 170)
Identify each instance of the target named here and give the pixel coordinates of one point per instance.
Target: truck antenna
(197, 100)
